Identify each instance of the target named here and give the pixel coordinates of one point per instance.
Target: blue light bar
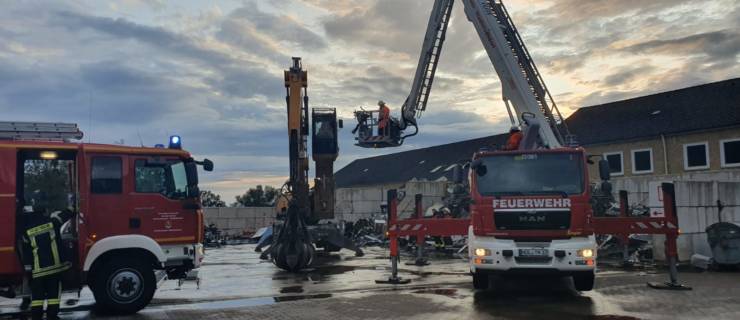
(175, 142)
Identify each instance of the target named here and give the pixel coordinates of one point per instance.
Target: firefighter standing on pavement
(43, 257)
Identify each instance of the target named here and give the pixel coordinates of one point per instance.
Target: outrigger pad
(667, 286)
(397, 280)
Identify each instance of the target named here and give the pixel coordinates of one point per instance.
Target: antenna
(138, 132)
(89, 115)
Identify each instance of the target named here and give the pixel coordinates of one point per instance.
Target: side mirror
(479, 167)
(340, 123)
(481, 170)
(457, 174)
(604, 171)
(207, 165)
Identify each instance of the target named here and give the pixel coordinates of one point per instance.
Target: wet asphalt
(236, 284)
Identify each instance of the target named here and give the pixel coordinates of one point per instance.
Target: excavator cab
(324, 133)
(368, 135)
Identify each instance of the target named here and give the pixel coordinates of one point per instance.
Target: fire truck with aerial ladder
(532, 208)
(135, 211)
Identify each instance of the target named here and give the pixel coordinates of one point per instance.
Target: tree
(209, 199)
(257, 197)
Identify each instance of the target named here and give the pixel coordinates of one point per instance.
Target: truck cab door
(10, 265)
(159, 200)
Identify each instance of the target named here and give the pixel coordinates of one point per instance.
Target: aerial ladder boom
(421, 86)
(521, 82)
(522, 85)
(416, 102)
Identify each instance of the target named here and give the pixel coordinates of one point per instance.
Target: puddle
(303, 297)
(215, 305)
(292, 289)
(448, 292)
(330, 270)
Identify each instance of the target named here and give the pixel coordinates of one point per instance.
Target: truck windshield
(170, 180)
(534, 173)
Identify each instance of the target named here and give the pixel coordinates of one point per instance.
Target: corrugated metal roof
(708, 106)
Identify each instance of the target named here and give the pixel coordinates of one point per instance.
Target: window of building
(642, 161)
(730, 152)
(106, 175)
(696, 156)
(616, 163)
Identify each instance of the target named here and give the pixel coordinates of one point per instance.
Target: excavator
(307, 219)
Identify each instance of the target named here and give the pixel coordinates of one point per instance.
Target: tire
(584, 281)
(480, 281)
(123, 286)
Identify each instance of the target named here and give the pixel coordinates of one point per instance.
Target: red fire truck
(534, 217)
(136, 211)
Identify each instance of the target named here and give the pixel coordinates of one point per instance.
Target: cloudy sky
(211, 71)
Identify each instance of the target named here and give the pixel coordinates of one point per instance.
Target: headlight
(480, 252)
(586, 253)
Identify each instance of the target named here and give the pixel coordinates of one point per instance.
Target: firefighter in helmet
(384, 118)
(515, 138)
(43, 256)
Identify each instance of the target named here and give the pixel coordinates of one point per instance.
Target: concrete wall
(239, 221)
(365, 202)
(638, 186)
(673, 152)
(696, 201)
(432, 193)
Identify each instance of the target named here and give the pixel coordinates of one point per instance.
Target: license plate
(533, 252)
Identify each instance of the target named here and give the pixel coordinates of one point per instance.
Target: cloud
(627, 74)
(213, 72)
(280, 27)
(382, 25)
(717, 45)
(267, 35)
(158, 37)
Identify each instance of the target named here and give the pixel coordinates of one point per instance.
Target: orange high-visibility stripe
(176, 239)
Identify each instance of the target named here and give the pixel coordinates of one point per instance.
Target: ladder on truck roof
(39, 131)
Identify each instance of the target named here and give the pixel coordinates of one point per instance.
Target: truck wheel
(480, 281)
(123, 286)
(584, 281)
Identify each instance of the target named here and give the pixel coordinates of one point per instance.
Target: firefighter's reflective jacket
(41, 246)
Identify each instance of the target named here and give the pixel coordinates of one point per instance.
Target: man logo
(532, 217)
